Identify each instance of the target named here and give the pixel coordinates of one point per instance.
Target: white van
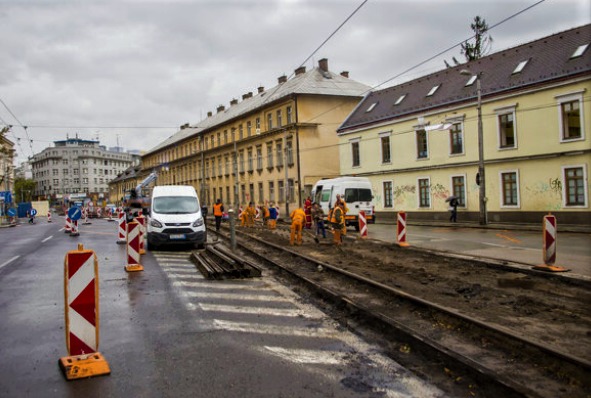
(175, 217)
(356, 191)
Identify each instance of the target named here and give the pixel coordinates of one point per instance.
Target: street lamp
(480, 177)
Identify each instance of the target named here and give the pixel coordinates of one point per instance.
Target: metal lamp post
(482, 182)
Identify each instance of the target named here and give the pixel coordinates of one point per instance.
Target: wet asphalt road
(167, 332)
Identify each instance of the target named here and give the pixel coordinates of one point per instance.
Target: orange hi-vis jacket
(298, 215)
(217, 209)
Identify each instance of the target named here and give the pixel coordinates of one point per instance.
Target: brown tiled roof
(549, 59)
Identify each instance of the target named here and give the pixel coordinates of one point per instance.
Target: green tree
(482, 41)
(481, 45)
(23, 189)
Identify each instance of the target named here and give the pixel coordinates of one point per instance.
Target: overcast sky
(135, 70)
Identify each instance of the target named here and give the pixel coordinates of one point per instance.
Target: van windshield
(175, 205)
(357, 195)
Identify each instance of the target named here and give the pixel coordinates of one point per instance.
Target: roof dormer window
(371, 107)
(400, 99)
(520, 66)
(579, 51)
(433, 90)
(471, 80)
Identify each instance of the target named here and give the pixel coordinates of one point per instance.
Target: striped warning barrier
(133, 247)
(549, 246)
(401, 229)
(68, 227)
(74, 228)
(362, 225)
(142, 222)
(49, 216)
(122, 229)
(81, 293)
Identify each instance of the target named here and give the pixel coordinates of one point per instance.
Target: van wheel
(199, 246)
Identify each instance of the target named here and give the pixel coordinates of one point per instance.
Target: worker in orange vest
(249, 215)
(218, 213)
(298, 218)
(337, 222)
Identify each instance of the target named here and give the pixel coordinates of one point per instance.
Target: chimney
(261, 89)
(221, 108)
(244, 96)
(281, 79)
(184, 126)
(301, 70)
(345, 73)
(209, 114)
(323, 64)
(233, 102)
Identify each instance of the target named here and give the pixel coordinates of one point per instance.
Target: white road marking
(8, 262)
(309, 356)
(231, 296)
(46, 239)
(258, 328)
(236, 309)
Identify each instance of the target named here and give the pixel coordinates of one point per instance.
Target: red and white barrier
(74, 228)
(549, 237)
(362, 225)
(133, 247)
(49, 216)
(81, 291)
(122, 229)
(98, 212)
(142, 222)
(401, 229)
(68, 227)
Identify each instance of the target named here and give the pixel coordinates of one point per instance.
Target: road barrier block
(362, 225)
(133, 247)
(68, 228)
(122, 229)
(81, 298)
(74, 228)
(49, 216)
(401, 230)
(549, 237)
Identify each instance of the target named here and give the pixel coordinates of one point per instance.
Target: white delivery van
(356, 191)
(175, 217)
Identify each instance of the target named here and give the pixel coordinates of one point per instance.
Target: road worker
(249, 215)
(298, 218)
(266, 214)
(337, 222)
(218, 213)
(273, 214)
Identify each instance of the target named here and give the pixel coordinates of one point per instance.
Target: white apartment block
(75, 166)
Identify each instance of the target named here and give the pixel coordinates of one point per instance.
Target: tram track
(498, 360)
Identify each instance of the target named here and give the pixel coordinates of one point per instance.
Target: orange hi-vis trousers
(296, 232)
(272, 224)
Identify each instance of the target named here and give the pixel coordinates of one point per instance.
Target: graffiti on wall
(439, 191)
(545, 195)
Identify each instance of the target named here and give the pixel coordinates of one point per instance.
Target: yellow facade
(539, 160)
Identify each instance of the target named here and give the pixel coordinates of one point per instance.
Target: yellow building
(418, 142)
(271, 146)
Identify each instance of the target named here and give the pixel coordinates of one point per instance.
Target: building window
(458, 189)
(290, 190)
(456, 139)
(289, 115)
(227, 164)
(355, 158)
(289, 148)
(279, 119)
(271, 191)
(281, 189)
(249, 160)
(240, 132)
(388, 194)
(219, 166)
(228, 198)
(259, 150)
(385, 146)
(257, 124)
(251, 192)
(424, 193)
(510, 189)
(574, 186)
(261, 193)
(225, 136)
(269, 155)
(279, 153)
(571, 117)
(248, 128)
(219, 140)
(241, 161)
(269, 121)
(422, 145)
(242, 193)
(507, 136)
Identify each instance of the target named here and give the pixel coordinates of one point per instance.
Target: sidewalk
(586, 229)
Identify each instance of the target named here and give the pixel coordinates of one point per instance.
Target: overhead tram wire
(24, 127)
(17, 140)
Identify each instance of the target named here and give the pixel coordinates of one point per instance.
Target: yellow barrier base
(83, 366)
(550, 268)
(403, 244)
(134, 267)
(142, 251)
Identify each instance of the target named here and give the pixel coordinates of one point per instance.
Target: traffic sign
(33, 212)
(74, 213)
(11, 212)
